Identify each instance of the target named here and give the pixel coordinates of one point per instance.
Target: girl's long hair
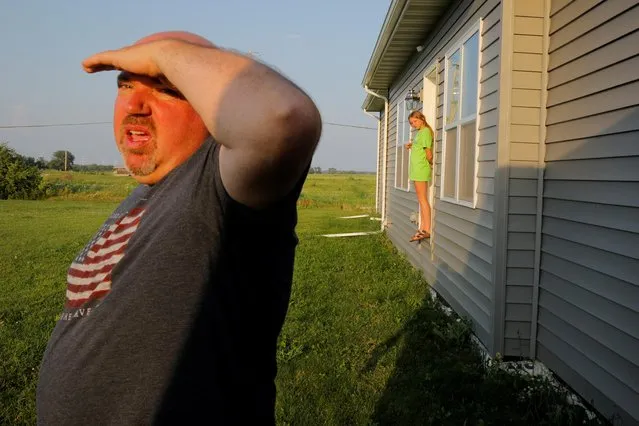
(418, 115)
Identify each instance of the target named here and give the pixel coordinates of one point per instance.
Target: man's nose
(137, 104)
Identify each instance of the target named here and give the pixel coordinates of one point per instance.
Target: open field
(363, 342)
(89, 186)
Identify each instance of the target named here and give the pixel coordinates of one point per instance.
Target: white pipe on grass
(350, 234)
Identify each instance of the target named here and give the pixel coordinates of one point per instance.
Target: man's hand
(139, 59)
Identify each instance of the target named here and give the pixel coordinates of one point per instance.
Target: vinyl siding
(459, 263)
(525, 129)
(589, 282)
(390, 162)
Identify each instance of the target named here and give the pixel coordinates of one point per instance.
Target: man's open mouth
(136, 138)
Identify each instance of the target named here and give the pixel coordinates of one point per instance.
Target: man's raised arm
(267, 126)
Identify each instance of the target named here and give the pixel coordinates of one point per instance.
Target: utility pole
(65, 160)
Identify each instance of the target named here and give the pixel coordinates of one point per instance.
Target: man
(173, 310)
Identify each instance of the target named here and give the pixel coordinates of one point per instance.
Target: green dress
(420, 169)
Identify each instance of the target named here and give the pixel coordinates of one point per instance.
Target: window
(460, 124)
(402, 155)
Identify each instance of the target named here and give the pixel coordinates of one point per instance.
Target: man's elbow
(301, 126)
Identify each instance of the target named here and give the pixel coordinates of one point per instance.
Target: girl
(421, 159)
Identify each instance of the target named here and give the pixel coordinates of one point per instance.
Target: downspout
(379, 130)
(385, 152)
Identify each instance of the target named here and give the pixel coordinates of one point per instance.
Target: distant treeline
(334, 171)
(60, 160)
(21, 177)
(92, 168)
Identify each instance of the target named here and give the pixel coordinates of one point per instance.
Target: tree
(332, 170)
(58, 161)
(18, 180)
(41, 163)
(30, 161)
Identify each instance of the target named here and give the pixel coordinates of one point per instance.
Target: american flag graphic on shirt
(89, 277)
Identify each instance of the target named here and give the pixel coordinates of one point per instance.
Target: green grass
(102, 186)
(362, 344)
(38, 240)
(347, 192)
(365, 344)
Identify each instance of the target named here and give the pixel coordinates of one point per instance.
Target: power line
(349, 125)
(27, 126)
(93, 123)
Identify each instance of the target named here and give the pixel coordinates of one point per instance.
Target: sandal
(420, 235)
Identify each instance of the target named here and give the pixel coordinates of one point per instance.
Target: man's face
(155, 128)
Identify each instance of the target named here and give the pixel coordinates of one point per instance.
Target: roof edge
(374, 104)
(393, 15)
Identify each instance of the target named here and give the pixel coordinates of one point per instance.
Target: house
(121, 171)
(535, 196)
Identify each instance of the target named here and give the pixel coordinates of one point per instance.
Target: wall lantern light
(413, 99)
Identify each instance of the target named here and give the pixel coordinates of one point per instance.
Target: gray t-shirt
(173, 309)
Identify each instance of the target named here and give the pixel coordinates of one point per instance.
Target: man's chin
(139, 164)
(145, 173)
(146, 179)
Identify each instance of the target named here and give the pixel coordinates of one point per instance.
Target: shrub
(18, 180)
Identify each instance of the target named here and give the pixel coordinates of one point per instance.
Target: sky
(323, 46)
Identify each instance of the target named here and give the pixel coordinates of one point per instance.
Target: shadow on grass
(441, 378)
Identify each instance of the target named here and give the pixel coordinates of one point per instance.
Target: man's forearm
(243, 103)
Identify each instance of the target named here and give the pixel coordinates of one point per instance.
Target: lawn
(363, 342)
(89, 186)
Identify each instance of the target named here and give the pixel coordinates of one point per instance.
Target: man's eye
(124, 85)
(171, 92)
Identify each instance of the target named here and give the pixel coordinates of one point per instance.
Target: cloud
(293, 36)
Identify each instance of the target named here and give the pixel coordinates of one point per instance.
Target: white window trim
(432, 188)
(401, 110)
(462, 120)
(429, 70)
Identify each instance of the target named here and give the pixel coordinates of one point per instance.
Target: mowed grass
(38, 241)
(89, 186)
(363, 342)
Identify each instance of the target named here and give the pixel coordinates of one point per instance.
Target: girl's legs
(422, 197)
